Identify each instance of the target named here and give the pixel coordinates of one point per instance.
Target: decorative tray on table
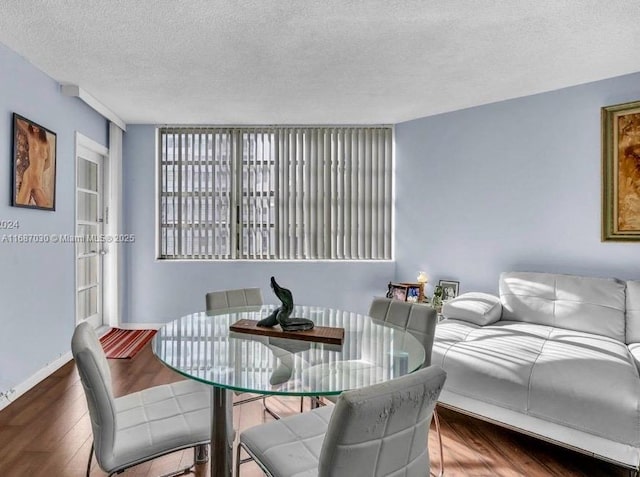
(320, 334)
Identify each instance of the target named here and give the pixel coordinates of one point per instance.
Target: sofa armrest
(474, 307)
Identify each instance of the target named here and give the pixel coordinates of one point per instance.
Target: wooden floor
(46, 432)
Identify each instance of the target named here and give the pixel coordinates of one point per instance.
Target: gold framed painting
(621, 172)
(34, 165)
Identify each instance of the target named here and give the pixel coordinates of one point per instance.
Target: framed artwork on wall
(449, 288)
(33, 181)
(621, 172)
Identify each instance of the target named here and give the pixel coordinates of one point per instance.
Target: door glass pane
(87, 206)
(87, 175)
(87, 271)
(87, 302)
(87, 243)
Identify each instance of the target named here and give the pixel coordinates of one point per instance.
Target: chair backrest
(217, 300)
(383, 429)
(418, 319)
(96, 380)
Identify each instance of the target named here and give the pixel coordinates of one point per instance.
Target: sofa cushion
(580, 380)
(633, 312)
(587, 382)
(474, 307)
(592, 305)
(492, 363)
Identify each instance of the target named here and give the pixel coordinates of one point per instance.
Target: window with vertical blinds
(275, 193)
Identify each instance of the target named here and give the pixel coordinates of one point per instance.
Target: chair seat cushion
(580, 380)
(164, 417)
(290, 446)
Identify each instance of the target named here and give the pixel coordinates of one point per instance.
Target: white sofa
(555, 356)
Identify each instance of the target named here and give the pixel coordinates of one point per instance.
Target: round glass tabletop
(200, 346)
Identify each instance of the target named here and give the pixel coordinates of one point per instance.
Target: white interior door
(90, 243)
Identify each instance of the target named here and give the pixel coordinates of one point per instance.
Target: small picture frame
(398, 291)
(33, 183)
(450, 289)
(415, 292)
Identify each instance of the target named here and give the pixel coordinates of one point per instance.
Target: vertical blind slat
(281, 186)
(191, 201)
(379, 199)
(374, 194)
(339, 198)
(236, 202)
(217, 215)
(164, 199)
(345, 139)
(260, 208)
(252, 188)
(202, 190)
(367, 206)
(293, 198)
(300, 193)
(326, 206)
(388, 195)
(312, 173)
(334, 214)
(178, 203)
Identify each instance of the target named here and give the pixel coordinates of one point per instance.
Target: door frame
(110, 308)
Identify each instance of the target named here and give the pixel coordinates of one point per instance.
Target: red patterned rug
(119, 343)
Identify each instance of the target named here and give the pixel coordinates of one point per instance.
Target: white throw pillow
(474, 307)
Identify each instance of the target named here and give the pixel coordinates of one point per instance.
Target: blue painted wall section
(37, 291)
(513, 185)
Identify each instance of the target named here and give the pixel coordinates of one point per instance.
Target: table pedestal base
(221, 458)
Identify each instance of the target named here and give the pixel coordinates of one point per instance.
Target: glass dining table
(200, 346)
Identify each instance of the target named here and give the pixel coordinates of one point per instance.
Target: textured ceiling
(319, 62)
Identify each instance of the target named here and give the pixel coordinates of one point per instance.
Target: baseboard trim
(34, 379)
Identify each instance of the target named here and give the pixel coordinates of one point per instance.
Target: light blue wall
(513, 185)
(37, 281)
(158, 291)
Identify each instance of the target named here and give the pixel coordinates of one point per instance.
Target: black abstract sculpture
(282, 314)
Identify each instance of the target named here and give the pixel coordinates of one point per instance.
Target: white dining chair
(140, 426)
(377, 430)
(418, 319)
